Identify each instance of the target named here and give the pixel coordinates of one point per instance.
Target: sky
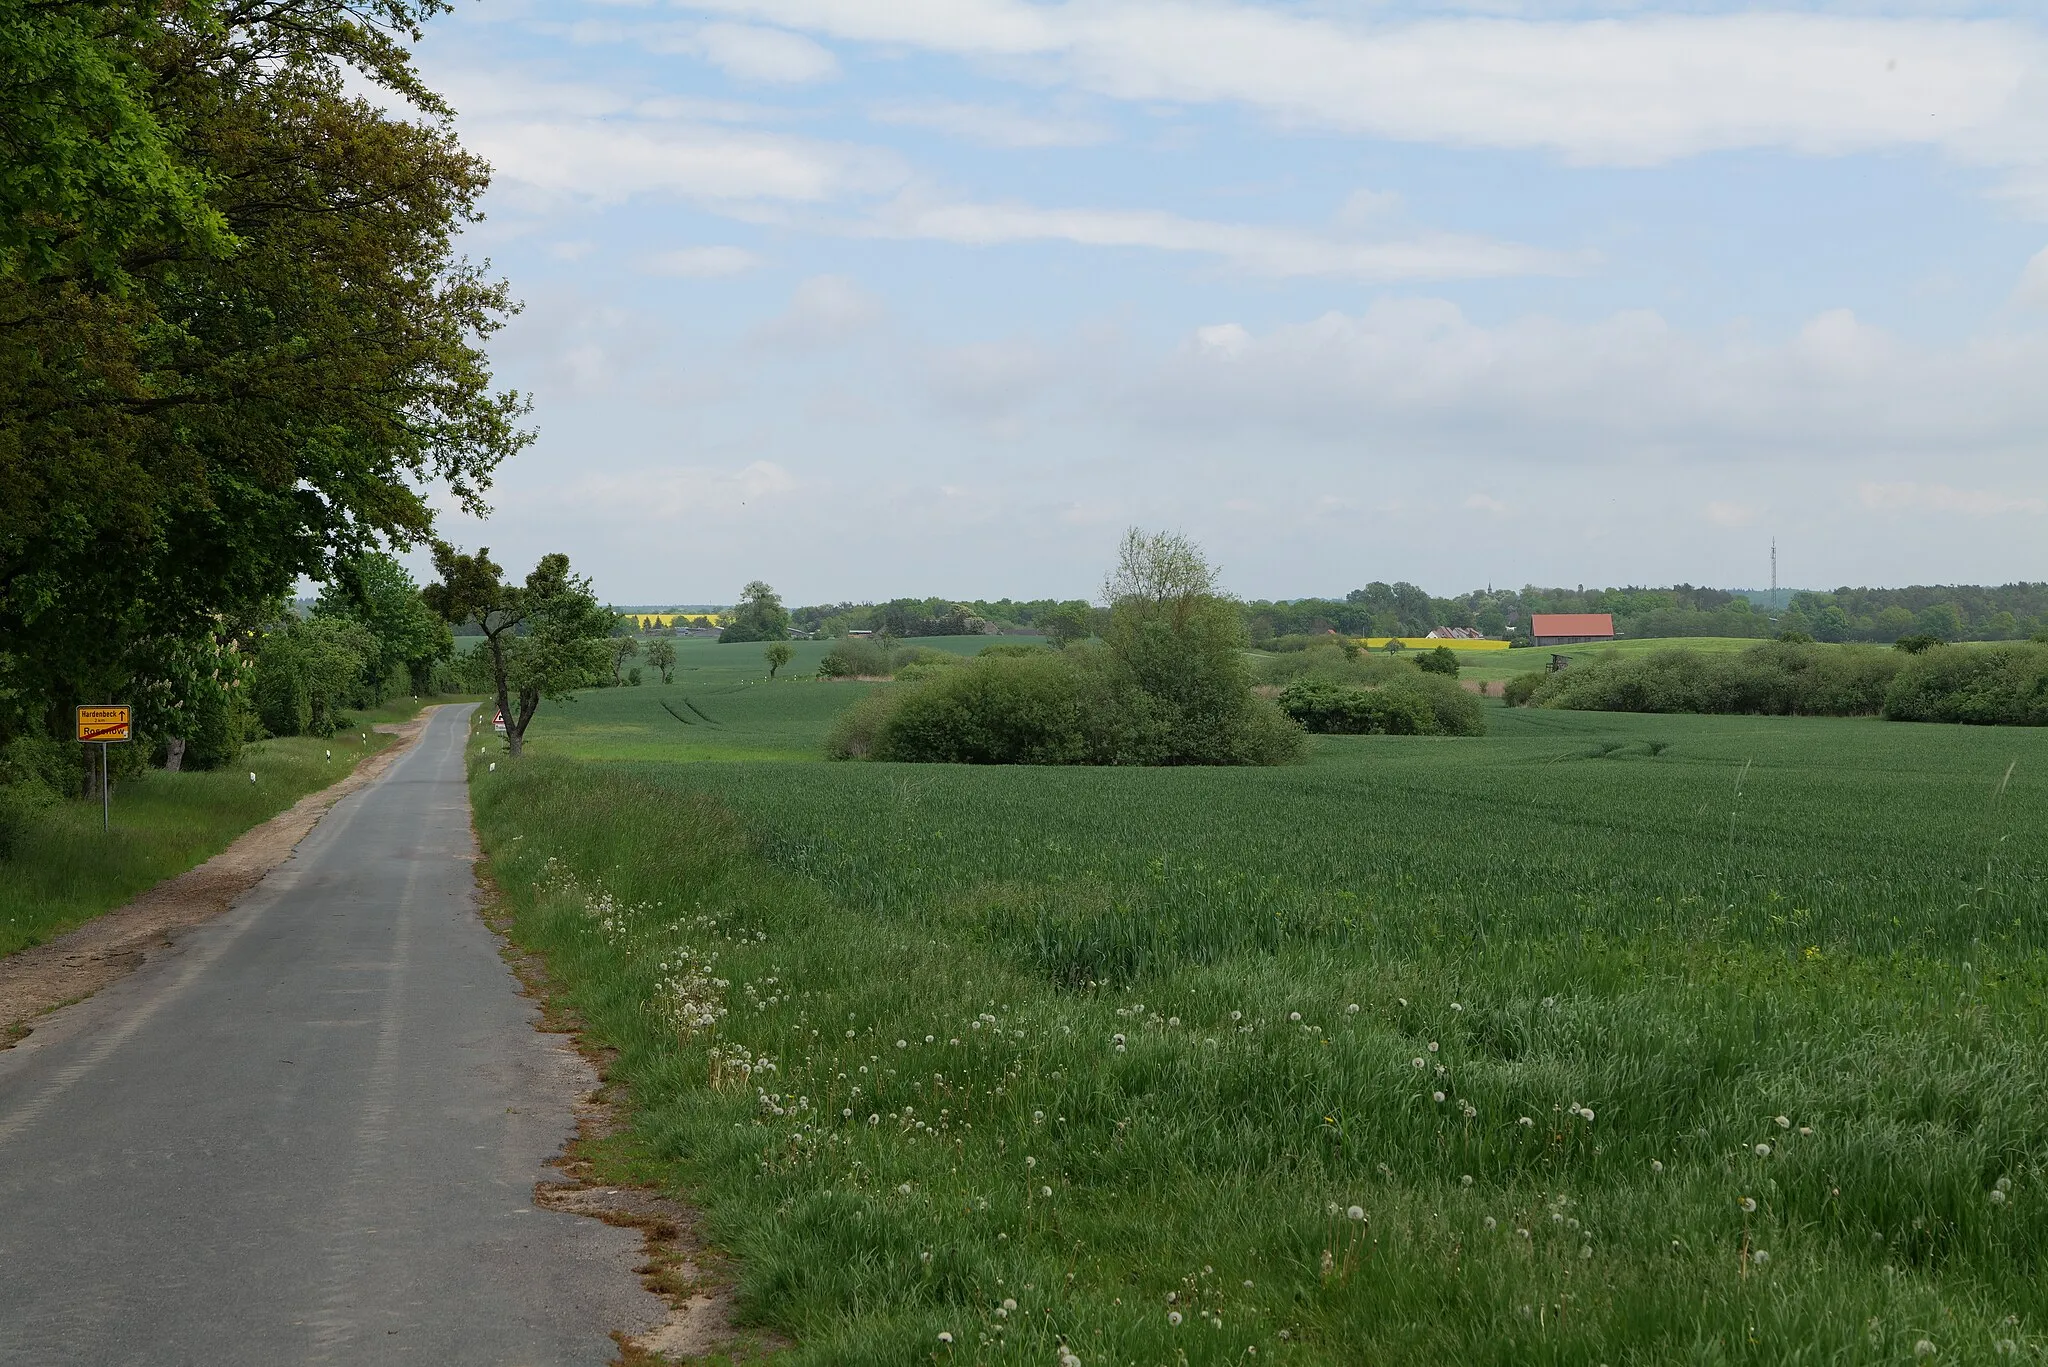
(870, 298)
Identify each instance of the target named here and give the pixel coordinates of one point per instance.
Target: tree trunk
(174, 754)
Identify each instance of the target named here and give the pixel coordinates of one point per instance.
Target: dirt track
(82, 962)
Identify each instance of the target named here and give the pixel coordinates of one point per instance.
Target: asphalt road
(310, 1132)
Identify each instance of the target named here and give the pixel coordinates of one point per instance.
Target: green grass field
(1627, 1039)
(68, 871)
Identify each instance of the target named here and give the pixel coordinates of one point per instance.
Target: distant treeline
(1947, 612)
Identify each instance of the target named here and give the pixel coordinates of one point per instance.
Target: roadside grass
(67, 871)
(1735, 1023)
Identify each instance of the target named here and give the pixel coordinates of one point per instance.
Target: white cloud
(991, 125)
(1255, 248)
(824, 311)
(765, 54)
(611, 159)
(1628, 385)
(703, 263)
(1630, 91)
(2033, 290)
(1907, 496)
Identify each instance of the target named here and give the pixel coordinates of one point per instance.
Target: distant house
(1455, 634)
(1570, 628)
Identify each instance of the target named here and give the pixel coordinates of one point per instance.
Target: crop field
(1599, 1039)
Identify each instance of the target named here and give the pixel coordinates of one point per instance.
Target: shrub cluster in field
(1335, 688)
(1168, 685)
(1991, 685)
(919, 1143)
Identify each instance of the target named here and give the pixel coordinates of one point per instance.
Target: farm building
(1570, 628)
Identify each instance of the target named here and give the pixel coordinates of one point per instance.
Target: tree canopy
(239, 346)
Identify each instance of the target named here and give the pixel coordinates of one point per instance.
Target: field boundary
(75, 965)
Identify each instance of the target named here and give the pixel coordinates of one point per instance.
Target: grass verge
(67, 871)
(955, 1118)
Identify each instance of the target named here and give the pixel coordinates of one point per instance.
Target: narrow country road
(310, 1132)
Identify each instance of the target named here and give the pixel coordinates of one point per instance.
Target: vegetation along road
(311, 1132)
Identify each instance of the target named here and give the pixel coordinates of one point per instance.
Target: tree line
(1949, 612)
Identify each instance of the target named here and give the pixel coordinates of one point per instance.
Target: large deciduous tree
(546, 637)
(236, 342)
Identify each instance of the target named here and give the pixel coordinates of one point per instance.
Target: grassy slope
(67, 872)
(1577, 910)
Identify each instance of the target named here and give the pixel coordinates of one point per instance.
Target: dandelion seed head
(1354, 1213)
(1009, 1303)
(1763, 1151)
(1748, 1204)
(1492, 1223)
(1760, 1257)
(1173, 1317)
(1656, 1165)
(1783, 1123)
(945, 1336)
(1437, 1097)
(1997, 1197)
(1924, 1348)
(1351, 1010)
(1294, 1015)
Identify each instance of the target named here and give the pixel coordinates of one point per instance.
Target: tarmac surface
(309, 1131)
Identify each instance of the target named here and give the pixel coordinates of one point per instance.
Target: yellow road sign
(104, 724)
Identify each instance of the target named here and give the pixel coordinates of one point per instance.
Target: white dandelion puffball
(925, 1256)
(1997, 1197)
(1038, 1117)
(1526, 1123)
(1294, 1015)
(1415, 1061)
(1924, 1348)
(903, 1190)
(1763, 1151)
(945, 1336)
(252, 776)
(1009, 1303)
(1236, 1016)
(1748, 1204)
(1492, 1223)
(1432, 1046)
(1783, 1123)
(1069, 1360)
(1029, 1162)
(1045, 1191)
(1351, 1010)
(494, 766)
(1173, 1317)
(1116, 1039)
(1437, 1097)
(1760, 1257)
(1466, 1180)
(1355, 1213)
(1656, 1165)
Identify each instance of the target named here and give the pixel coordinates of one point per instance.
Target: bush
(1519, 690)
(2005, 685)
(1443, 660)
(1412, 704)
(1077, 706)
(857, 657)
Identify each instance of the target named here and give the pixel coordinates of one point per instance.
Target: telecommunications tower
(1774, 574)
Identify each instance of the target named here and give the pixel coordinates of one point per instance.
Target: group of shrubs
(1334, 688)
(2002, 685)
(1168, 683)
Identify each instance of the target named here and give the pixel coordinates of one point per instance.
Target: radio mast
(1774, 573)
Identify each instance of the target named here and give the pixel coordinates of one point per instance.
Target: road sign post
(104, 726)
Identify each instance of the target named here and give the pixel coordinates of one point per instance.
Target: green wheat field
(1598, 1039)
